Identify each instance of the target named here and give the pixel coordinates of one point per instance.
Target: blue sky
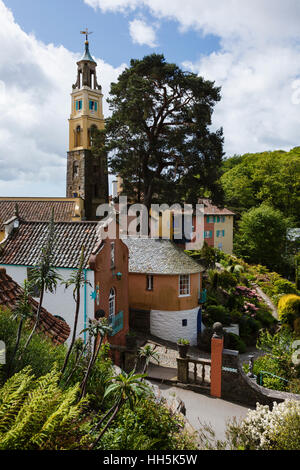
(59, 22)
(249, 48)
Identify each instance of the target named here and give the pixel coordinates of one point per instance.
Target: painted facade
(167, 284)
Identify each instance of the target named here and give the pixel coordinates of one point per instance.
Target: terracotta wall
(105, 279)
(165, 294)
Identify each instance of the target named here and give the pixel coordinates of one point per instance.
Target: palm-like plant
(147, 353)
(22, 312)
(77, 280)
(98, 330)
(44, 276)
(125, 387)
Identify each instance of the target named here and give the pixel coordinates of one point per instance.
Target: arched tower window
(78, 136)
(112, 304)
(92, 132)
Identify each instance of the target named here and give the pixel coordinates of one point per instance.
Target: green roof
(87, 55)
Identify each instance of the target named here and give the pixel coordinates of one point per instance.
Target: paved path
(205, 409)
(267, 300)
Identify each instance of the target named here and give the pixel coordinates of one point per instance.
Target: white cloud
(35, 85)
(258, 64)
(141, 33)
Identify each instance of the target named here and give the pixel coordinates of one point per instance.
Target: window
(184, 285)
(93, 105)
(149, 282)
(112, 304)
(223, 218)
(184, 322)
(78, 136)
(208, 234)
(91, 134)
(220, 233)
(33, 289)
(112, 254)
(78, 105)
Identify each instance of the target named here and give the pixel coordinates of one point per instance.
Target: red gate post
(217, 343)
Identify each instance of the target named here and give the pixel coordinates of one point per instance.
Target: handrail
(260, 376)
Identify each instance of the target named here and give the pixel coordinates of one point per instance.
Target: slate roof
(23, 247)
(53, 327)
(37, 210)
(158, 256)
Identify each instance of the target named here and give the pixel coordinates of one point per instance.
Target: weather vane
(87, 33)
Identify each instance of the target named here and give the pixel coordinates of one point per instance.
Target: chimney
(10, 225)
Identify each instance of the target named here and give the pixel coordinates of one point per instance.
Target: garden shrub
(283, 286)
(41, 353)
(264, 316)
(227, 280)
(249, 328)
(216, 313)
(204, 339)
(149, 425)
(232, 341)
(289, 309)
(265, 429)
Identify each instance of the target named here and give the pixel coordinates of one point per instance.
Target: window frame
(112, 304)
(149, 282)
(188, 285)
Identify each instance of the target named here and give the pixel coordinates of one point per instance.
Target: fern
(37, 414)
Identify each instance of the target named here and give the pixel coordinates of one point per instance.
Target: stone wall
(238, 387)
(171, 325)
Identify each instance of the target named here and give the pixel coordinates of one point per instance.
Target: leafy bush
(283, 286)
(41, 353)
(227, 280)
(216, 313)
(289, 309)
(150, 425)
(265, 429)
(232, 341)
(35, 414)
(249, 328)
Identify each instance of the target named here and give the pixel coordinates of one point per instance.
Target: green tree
(125, 388)
(98, 330)
(77, 280)
(261, 238)
(270, 177)
(44, 276)
(147, 353)
(22, 312)
(159, 133)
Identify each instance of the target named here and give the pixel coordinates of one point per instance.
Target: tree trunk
(89, 368)
(37, 321)
(74, 331)
(10, 366)
(118, 407)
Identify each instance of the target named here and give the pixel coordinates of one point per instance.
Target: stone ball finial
(218, 330)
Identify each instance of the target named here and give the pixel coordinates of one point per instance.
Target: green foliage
(183, 341)
(35, 414)
(159, 131)
(41, 353)
(216, 313)
(261, 237)
(149, 426)
(270, 177)
(289, 309)
(235, 342)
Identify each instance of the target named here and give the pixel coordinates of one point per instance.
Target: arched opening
(91, 134)
(112, 304)
(78, 136)
(75, 169)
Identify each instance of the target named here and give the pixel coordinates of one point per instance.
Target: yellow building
(87, 174)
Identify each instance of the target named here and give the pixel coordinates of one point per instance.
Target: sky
(249, 48)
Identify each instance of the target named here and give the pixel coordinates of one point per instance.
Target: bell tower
(87, 174)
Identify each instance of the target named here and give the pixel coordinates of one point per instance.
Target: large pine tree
(159, 134)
